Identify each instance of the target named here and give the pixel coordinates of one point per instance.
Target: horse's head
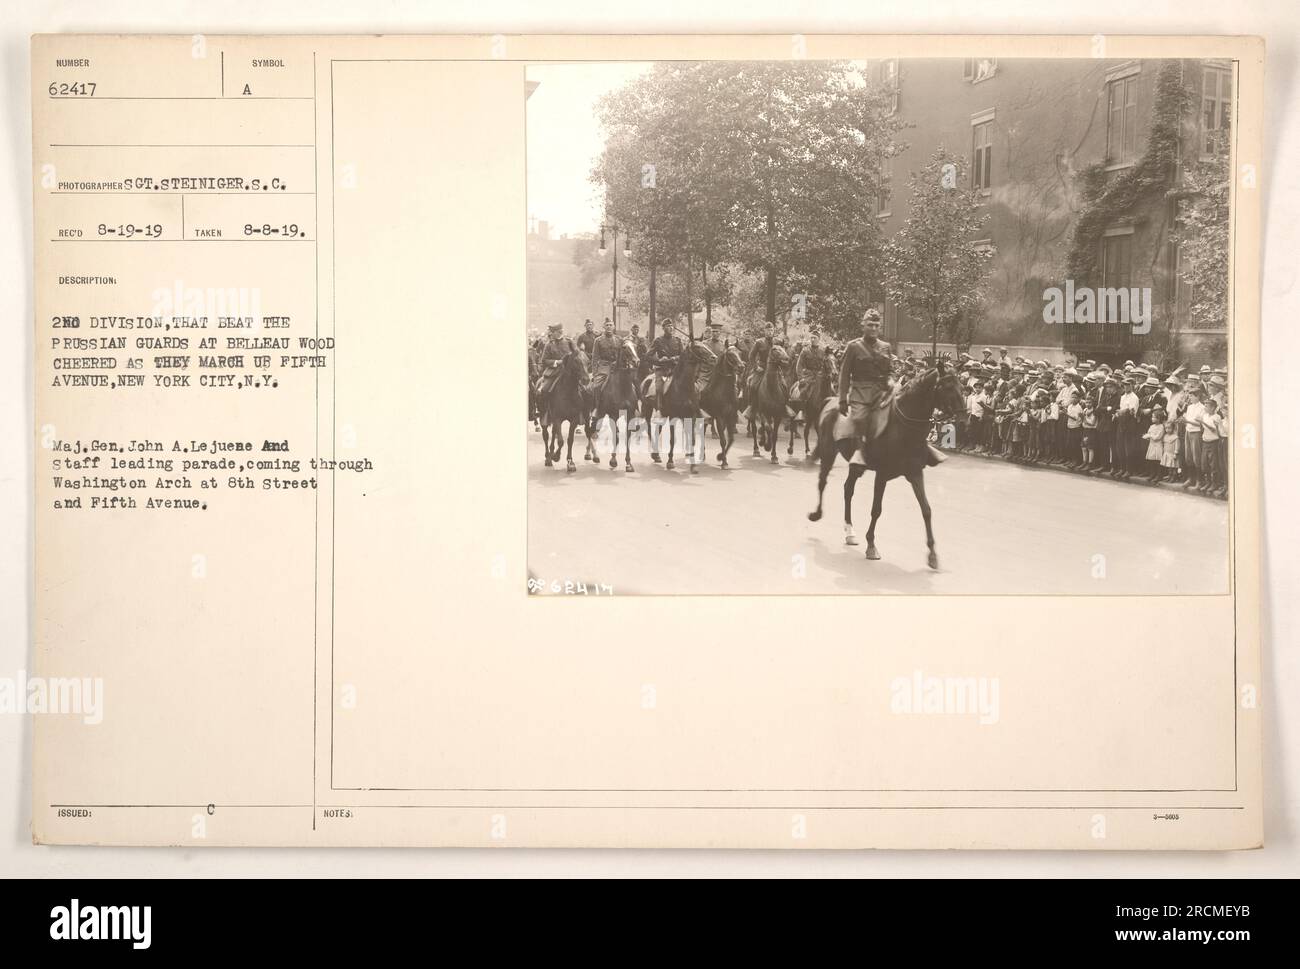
(778, 355)
(948, 397)
(628, 359)
(697, 353)
(575, 365)
(731, 358)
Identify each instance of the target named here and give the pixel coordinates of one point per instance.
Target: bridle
(915, 421)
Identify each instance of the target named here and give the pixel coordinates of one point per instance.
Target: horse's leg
(613, 449)
(790, 447)
(693, 431)
(877, 502)
(672, 443)
(546, 444)
(589, 426)
(775, 438)
(825, 451)
(807, 428)
(573, 426)
(917, 480)
(756, 429)
(850, 485)
(627, 440)
(655, 430)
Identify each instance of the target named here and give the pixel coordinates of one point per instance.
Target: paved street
(1000, 528)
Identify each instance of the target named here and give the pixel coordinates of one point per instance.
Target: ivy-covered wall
(1052, 198)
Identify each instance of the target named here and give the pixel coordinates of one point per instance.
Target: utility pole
(627, 251)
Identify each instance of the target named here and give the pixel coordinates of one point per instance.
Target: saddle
(550, 376)
(876, 421)
(648, 384)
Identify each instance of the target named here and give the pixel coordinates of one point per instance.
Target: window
(976, 69)
(885, 73)
(982, 155)
(1121, 120)
(1117, 261)
(1216, 108)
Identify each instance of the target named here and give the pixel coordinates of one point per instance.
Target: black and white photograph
(885, 326)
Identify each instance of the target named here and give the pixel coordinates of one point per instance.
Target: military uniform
(556, 349)
(604, 356)
(864, 383)
(807, 367)
(757, 362)
(587, 343)
(666, 351)
(715, 345)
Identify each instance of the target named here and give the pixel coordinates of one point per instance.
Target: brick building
(1049, 143)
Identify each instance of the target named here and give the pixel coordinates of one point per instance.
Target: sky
(564, 140)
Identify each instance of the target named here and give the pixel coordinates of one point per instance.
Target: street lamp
(627, 251)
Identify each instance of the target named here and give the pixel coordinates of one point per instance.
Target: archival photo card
(768, 441)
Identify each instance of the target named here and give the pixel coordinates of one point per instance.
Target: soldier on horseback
(865, 383)
(714, 343)
(807, 366)
(757, 365)
(604, 357)
(587, 339)
(665, 352)
(714, 340)
(558, 346)
(638, 341)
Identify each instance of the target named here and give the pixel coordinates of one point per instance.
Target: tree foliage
(772, 169)
(1202, 235)
(934, 268)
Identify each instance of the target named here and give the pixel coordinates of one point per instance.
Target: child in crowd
(1169, 459)
(1089, 438)
(1212, 429)
(1155, 438)
(1019, 425)
(1073, 430)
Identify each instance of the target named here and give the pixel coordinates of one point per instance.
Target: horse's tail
(828, 413)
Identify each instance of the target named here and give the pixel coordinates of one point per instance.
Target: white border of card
(358, 662)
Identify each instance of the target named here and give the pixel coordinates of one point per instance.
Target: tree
(803, 146)
(660, 183)
(773, 168)
(933, 269)
(1201, 233)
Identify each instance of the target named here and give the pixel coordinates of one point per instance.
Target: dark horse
(568, 400)
(900, 450)
(820, 387)
(619, 397)
(679, 402)
(719, 399)
(534, 374)
(770, 398)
